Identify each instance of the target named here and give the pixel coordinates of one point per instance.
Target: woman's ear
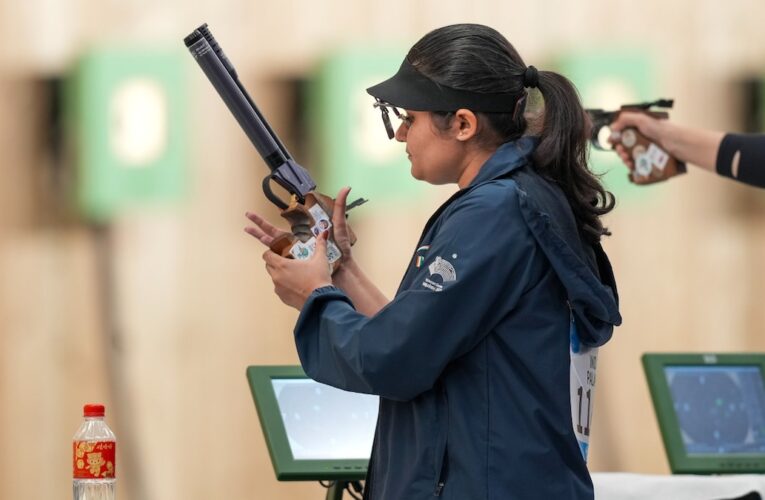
(465, 124)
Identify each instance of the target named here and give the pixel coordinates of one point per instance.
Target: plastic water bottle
(94, 449)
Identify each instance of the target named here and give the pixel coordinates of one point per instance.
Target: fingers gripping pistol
(308, 212)
(651, 163)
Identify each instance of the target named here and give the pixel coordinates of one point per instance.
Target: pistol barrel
(220, 78)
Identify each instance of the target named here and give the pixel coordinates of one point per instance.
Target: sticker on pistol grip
(320, 217)
(321, 226)
(643, 166)
(333, 253)
(300, 251)
(628, 138)
(658, 156)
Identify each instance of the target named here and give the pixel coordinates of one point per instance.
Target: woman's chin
(415, 173)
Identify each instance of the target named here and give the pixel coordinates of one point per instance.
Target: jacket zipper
(442, 465)
(439, 488)
(441, 480)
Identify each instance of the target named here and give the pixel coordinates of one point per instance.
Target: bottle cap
(92, 410)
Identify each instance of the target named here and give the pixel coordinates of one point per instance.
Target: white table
(624, 486)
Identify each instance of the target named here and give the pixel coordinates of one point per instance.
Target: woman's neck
(474, 162)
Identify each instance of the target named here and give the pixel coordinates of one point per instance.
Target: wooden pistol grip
(303, 224)
(650, 163)
(282, 244)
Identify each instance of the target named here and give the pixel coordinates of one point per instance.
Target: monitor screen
(324, 423)
(313, 431)
(720, 408)
(711, 410)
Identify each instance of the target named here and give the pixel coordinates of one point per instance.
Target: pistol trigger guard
(270, 194)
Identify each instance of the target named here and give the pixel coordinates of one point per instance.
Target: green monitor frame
(680, 461)
(286, 467)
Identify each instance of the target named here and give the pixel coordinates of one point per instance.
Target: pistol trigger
(354, 204)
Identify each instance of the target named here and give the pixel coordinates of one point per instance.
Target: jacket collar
(508, 157)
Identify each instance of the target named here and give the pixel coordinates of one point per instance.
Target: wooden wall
(159, 314)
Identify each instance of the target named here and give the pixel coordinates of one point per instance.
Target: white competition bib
(584, 360)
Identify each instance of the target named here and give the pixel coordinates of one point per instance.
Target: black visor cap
(410, 89)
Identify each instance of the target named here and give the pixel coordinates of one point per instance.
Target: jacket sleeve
(477, 267)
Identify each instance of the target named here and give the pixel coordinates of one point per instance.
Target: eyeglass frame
(386, 116)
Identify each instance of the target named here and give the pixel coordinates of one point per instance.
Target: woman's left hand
(263, 230)
(294, 280)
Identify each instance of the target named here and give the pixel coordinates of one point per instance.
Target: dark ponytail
(479, 59)
(563, 150)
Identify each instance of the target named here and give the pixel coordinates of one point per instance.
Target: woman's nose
(401, 132)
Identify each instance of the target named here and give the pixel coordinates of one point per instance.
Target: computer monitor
(711, 410)
(313, 431)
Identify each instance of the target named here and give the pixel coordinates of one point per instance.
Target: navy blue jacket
(471, 358)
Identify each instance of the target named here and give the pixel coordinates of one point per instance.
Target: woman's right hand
(646, 125)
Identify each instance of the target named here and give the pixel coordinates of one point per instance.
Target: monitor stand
(335, 492)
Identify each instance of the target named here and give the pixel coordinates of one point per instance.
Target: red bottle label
(94, 459)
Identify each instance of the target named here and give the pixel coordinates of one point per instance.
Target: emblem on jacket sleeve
(441, 272)
(419, 255)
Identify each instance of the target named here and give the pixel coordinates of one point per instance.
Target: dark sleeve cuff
(317, 300)
(323, 290)
(725, 156)
(751, 158)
